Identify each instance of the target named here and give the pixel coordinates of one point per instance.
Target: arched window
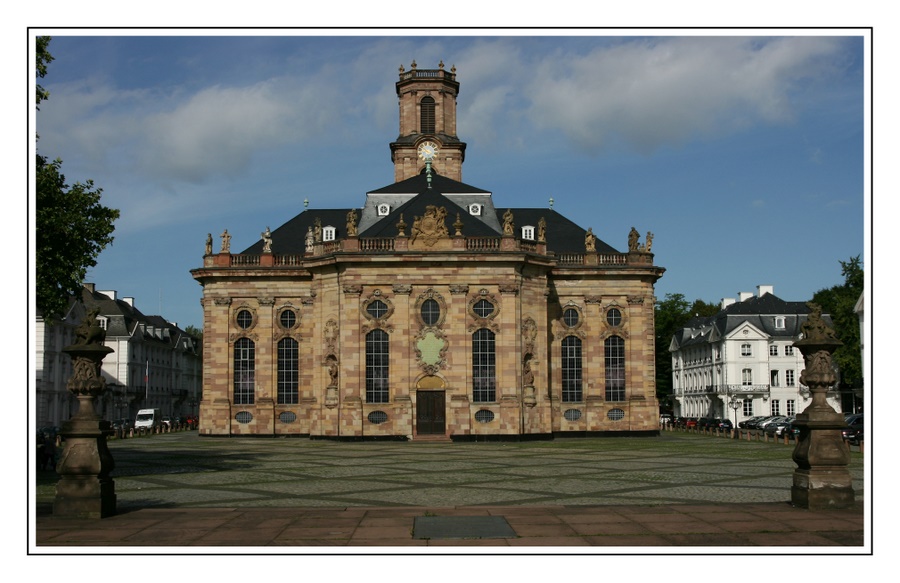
(244, 371)
(614, 348)
(571, 369)
(378, 356)
(288, 373)
(427, 112)
(484, 362)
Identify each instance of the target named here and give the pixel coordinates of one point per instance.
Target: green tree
(839, 302)
(72, 227)
(671, 314)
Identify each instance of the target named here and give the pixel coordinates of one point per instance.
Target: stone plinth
(822, 479)
(85, 489)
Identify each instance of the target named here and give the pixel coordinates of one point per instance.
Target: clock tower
(427, 115)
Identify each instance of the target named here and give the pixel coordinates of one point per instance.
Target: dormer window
(528, 233)
(328, 233)
(779, 322)
(384, 210)
(475, 209)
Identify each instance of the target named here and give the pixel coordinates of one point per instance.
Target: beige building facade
(427, 313)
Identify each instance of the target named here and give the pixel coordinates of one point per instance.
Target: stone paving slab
(179, 492)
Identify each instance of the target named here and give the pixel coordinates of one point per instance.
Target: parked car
(690, 422)
(724, 425)
(773, 419)
(776, 428)
(123, 424)
(705, 422)
(855, 436)
(853, 433)
(745, 424)
(167, 421)
(665, 419)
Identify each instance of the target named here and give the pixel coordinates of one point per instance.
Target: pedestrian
(49, 452)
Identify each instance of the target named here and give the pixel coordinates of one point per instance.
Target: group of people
(46, 457)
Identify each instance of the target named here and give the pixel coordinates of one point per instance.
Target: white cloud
(650, 93)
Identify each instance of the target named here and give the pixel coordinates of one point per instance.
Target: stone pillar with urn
(85, 488)
(822, 479)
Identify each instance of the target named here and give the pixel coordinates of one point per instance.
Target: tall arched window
(427, 115)
(614, 348)
(244, 371)
(378, 356)
(484, 362)
(571, 369)
(288, 373)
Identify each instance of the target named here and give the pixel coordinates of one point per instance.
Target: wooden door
(430, 413)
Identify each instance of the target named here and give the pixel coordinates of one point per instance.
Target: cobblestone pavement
(676, 489)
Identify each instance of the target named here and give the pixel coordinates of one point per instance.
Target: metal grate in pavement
(444, 527)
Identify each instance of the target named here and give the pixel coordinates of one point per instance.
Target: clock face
(427, 150)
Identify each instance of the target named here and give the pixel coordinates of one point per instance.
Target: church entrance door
(430, 413)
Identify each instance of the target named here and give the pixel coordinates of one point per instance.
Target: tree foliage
(671, 314)
(72, 227)
(839, 302)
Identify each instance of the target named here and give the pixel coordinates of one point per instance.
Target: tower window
(427, 113)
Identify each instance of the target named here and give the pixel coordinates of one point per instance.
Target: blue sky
(743, 155)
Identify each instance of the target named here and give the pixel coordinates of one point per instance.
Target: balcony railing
(399, 245)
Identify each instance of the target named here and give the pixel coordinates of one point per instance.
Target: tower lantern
(427, 114)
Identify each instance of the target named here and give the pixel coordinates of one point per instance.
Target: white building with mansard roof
(741, 362)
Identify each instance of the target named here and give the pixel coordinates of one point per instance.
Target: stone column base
(84, 497)
(819, 489)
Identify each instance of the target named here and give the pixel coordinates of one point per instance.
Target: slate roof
(123, 319)
(411, 197)
(759, 312)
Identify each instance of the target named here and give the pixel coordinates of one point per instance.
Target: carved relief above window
(377, 309)
(287, 323)
(483, 307)
(570, 322)
(430, 309)
(615, 318)
(244, 318)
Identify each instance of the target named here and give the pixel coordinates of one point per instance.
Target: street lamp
(735, 404)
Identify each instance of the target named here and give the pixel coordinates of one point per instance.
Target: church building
(432, 312)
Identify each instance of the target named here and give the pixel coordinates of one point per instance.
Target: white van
(147, 418)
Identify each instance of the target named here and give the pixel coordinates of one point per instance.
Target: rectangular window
(779, 322)
(791, 407)
(288, 373)
(773, 350)
(776, 407)
(614, 348)
(746, 350)
(484, 363)
(746, 377)
(789, 350)
(244, 371)
(571, 369)
(377, 366)
(748, 407)
(528, 233)
(789, 378)
(774, 378)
